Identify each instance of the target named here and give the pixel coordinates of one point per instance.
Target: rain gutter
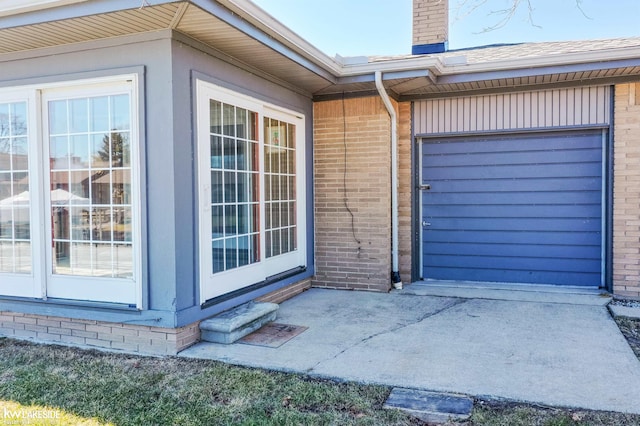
(395, 271)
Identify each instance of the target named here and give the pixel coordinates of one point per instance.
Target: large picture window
(76, 237)
(250, 216)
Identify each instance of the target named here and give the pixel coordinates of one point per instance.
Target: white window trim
(213, 285)
(28, 285)
(42, 283)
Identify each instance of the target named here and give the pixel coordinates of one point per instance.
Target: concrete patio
(552, 347)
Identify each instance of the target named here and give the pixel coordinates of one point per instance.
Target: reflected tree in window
(114, 150)
(15, 227)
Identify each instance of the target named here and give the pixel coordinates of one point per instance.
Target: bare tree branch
(464, 8)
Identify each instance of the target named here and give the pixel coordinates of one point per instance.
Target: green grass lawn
(105, 388)
(87, 387)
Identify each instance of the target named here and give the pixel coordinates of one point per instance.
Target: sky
(383, 27)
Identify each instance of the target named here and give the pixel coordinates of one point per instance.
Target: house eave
(429, 74)
(293, 60)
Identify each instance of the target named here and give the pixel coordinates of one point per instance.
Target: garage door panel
(506, 237)
(464, 248)
(514, 209)
(514, 263)
(547, 198)
(515, 185)
(526, 157)
(515, 144)
(515, 224)
(522, 211)
(586, 169)
(524, 277)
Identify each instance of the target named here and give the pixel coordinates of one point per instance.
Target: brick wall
(404, 193)
(430, 21)
(287, 292)
(626, 192)
(98, 334)
(343, 260)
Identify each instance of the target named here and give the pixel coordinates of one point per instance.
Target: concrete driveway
(550, 348)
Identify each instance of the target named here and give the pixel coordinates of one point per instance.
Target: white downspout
(395, 272)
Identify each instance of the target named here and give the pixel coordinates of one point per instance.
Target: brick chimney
(430, 26)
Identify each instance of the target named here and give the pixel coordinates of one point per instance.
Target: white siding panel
(514, 111)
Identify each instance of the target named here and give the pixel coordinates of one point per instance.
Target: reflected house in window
(91, 201)
(14, 166)
(14, 202)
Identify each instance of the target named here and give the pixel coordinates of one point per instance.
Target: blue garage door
(518, 209)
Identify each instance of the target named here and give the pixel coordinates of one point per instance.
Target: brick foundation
(117, 336)
(98, 334)
(285, 293)
(626, 192)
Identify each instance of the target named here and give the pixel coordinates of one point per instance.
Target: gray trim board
(195, 313)
(415, 203)
(74, 76)
(608, 214)
(97, 312)
(86, 45)
(199, 75)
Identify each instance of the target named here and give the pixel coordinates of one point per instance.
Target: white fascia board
(270, 25)
(438, 67)
(433, 63)
(578, 58)
(15, 7)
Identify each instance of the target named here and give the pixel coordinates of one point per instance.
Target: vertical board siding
(580, 106)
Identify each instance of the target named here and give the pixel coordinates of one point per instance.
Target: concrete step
(430, 407)
(236, 323)
(502, 291)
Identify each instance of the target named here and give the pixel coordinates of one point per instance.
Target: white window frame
(43, 283)
(28, 285)
(214, 285)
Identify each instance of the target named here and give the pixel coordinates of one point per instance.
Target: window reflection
(15, 206)
(90, 193)
(234, 186)
(280, 180)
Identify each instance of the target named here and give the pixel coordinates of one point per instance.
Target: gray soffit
(242, 33)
